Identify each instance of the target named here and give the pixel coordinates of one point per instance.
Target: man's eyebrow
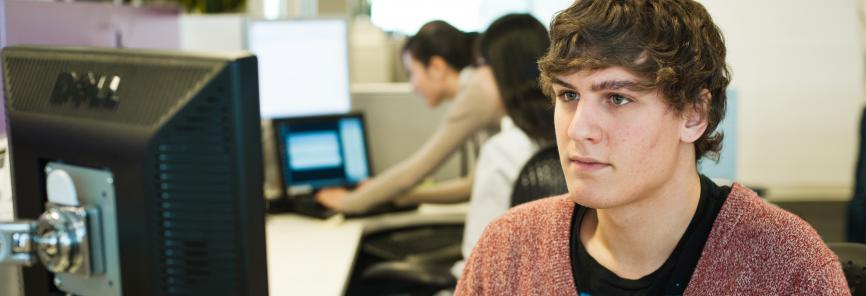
(605, 85)
(562, 83)
(617, 84)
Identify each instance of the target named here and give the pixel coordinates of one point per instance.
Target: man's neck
(636, 239)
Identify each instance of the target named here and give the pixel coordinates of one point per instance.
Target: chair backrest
(540, 177)
(853, 259)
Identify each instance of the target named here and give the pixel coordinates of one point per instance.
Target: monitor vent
(197, 224)
(145, 92)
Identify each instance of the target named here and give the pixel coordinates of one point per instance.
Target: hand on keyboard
(331, 197)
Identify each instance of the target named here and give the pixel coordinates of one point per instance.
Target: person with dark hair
(511, 47)
(438, 60)
(639, 89)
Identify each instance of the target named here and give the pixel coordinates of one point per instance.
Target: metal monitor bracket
(76, 237)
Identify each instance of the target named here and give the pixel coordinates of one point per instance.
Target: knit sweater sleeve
(474, 109)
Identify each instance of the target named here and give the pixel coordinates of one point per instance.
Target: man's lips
(583, 163)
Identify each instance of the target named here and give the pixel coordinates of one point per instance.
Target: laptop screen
(322, 151)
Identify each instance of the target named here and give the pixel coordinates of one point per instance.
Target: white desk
(314, 257)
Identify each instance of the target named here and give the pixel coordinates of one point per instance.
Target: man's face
(617, 143)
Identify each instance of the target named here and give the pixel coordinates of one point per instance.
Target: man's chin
(592, 199)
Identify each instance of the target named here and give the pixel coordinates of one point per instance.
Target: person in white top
(501, 159)
(510, 47)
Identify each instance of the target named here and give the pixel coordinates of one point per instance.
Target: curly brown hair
(673, 45)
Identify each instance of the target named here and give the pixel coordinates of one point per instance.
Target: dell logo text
(86, 89)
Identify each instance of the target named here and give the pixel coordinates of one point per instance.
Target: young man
(639, 89)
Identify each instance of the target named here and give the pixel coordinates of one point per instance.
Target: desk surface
(315, 257)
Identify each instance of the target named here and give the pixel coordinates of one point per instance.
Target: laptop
(318, 152)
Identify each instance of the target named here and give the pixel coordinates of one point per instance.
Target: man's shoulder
(757, 222)
(758, 247)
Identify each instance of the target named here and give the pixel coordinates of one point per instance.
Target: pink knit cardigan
(754, 248)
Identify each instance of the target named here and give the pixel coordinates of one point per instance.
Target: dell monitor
(143, 169)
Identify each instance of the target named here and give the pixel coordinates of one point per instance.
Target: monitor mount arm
(59, 239)
(68, 238)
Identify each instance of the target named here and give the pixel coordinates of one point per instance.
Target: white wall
(406, 17)
(544, 10)
(220, 32)
(798, 68)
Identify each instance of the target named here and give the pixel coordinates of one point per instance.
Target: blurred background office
(795, 97)
(795, 101)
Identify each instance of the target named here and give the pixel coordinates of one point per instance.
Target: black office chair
(540, 177)
(412, 261)
(853, 259)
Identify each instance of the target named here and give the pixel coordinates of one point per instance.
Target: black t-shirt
(672, 277)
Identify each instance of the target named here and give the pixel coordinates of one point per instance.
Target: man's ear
(437, 67)
(696, 118)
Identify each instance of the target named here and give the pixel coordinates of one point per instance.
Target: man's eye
(619, 100)
(569, 96)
